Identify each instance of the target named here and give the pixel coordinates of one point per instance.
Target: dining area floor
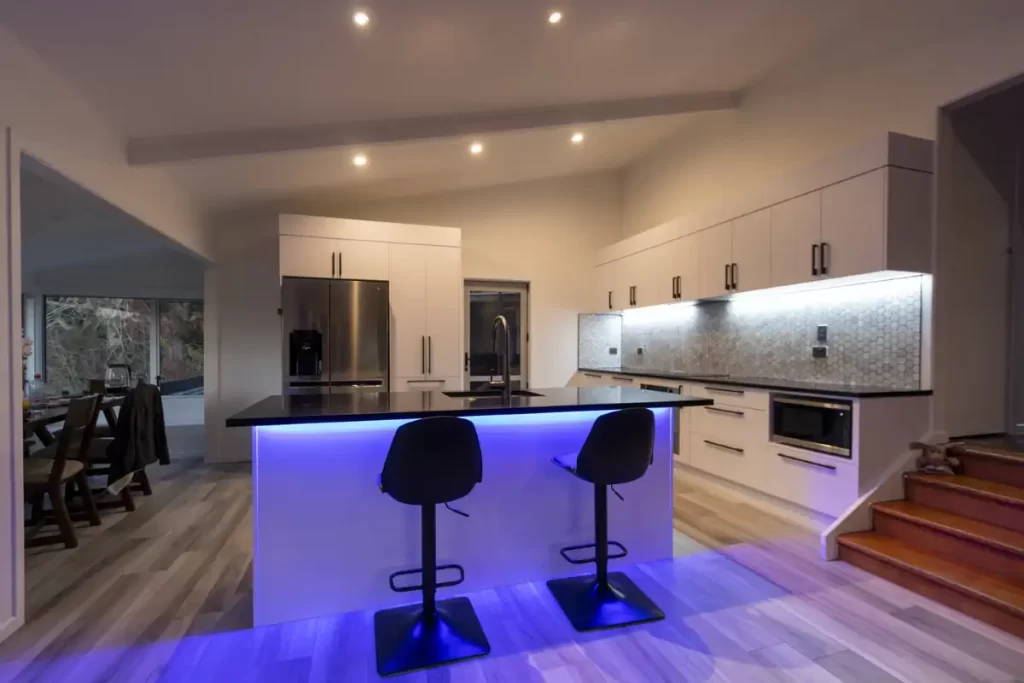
(164, 594)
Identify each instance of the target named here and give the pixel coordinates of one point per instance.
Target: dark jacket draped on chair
(140, 436)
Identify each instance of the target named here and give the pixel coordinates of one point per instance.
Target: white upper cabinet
(426, 311)
(853, 226)
(796, 240)
(644, 277)
(359, 260)
(664, 271)
(751, 252)
(306, 256)
(876, 221)
(715, 246)
(687, 268)
(868, 212)
(322, 257)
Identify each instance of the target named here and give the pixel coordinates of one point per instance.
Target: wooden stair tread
(993, 590)
(1010, 495)
(993, 452)
(957, 525)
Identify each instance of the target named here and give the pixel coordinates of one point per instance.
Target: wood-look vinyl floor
(163, 594)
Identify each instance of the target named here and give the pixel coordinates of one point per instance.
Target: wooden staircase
(956, 539)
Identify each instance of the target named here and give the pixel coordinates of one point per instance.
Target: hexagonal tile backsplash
(874, 336)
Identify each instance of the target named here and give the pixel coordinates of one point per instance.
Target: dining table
(37, 421)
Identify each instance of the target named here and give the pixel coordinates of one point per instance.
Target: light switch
(819, 352)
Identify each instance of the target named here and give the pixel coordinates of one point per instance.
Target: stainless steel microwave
(822, 425)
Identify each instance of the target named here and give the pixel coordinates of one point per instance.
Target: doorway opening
(484, 301)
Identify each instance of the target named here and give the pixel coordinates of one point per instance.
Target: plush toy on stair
(936, 458)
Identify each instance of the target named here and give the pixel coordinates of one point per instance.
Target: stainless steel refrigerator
(335, 335)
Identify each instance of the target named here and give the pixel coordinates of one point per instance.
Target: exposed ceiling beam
(172, 148)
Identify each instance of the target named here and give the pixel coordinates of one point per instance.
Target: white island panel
(326, 538)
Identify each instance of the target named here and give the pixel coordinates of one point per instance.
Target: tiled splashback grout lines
(874, 335)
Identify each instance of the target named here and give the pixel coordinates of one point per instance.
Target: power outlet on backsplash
(613, 351)
(819, 352)
(639, 350)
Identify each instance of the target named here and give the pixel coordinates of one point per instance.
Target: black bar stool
(618, 450)
(431, 461)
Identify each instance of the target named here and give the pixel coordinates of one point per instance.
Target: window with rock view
(181, 346)
(84, 335)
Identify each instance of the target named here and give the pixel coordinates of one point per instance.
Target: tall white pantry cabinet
(423, 267)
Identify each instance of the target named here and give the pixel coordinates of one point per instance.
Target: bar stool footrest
(407, 639)
(615, 556)
(440, 584)
(591, 606)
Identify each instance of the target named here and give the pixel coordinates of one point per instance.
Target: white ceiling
(163, 69)
(190, 66)
(65, 226)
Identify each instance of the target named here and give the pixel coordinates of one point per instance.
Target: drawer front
(737, 397)
(733, 463)
(819, 482)
(734, 426)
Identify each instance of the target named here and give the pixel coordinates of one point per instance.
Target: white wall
(830, 101)
(544, 232)
(11, 550)
(158, 275)
(52, 123)
(243, 329)
(57, 126)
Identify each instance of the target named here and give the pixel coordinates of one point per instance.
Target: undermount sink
(487, 393)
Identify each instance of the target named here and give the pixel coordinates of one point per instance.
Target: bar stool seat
(433, 461)
(618, 450)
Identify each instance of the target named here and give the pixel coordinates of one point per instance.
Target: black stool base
(592, 608)
(406, 641)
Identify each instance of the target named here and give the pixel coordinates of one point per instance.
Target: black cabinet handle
(722, 445)
(423, 355)
(587, 374)
(807, 462)
(723, 410)
(735, 268)
(727, 276)
(333, 256)
(430, 355)
(339, 264)
(814, 259)
(609, 300)
(679, 286)
(467, 361)
(826, 257)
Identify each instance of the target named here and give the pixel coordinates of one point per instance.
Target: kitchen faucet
(506, 370)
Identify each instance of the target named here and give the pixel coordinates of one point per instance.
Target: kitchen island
(326, 539)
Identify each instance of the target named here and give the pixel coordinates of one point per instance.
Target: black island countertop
(361, 406)
(822, 388)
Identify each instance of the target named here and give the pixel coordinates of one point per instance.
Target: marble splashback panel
(874, 335)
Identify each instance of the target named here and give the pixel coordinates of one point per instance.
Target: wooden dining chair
(63, 465)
